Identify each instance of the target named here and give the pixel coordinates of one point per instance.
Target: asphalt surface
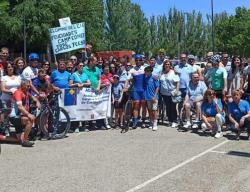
(140, 160)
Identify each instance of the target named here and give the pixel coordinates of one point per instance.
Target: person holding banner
(60, 77)
(78, 80)
(93, 73)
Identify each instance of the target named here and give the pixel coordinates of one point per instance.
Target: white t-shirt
(29, 73)
(11, 84)
(168, 82)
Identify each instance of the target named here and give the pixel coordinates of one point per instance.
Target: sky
(159, 7)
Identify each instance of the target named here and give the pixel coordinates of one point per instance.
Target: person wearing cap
(217, 76)
(136, 76)
(31, 72)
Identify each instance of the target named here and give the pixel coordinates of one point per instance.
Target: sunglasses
(73, 59)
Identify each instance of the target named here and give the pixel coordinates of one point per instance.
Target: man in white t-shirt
(31, 72)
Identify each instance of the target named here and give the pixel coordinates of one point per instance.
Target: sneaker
(143, 125)
(108, 126)
(27, 144)
(174, 125)
(154, 128)
(195, 126)
(188, 125)
(218, 135)
(77, 130)
(203, 127)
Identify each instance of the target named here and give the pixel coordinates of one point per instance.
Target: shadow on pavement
(239, 153)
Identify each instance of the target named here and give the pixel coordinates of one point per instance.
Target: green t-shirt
(216, 77)
(93, 75)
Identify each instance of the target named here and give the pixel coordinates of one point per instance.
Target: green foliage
(122, 25)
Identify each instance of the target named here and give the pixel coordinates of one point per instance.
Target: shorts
(118, 105)
(183, 92)
(138, 95)
(152, 105)
(17, 123)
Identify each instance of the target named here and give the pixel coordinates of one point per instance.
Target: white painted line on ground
(138, 187)
(222, 152)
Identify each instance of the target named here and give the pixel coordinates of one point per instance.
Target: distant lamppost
(212, 10)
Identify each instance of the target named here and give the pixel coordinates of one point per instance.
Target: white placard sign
(85, 104)
(69, 38)
(65, 22)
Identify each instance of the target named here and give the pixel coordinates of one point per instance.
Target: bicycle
(53, 120)
(128, 110)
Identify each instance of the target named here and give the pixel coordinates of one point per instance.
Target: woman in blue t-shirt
(212, 113)
(78, 78)
(239, 113)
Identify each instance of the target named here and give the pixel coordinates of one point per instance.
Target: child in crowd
(151, 90)
(117, 100)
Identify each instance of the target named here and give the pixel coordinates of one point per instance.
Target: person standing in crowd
(225, 62)
(93, 73)
(78, 80)
(161, 56)
(234, 79)
(157, 69)
(194, 97)
(136, 75)
(123, 72)
(70, 67)
(86, 53)
(170, 83)
(246, 81)
(4, 56)
(106, 81)
(184, 70)
(30, 73)
(47, 67)
(117, 101)
(113, 69)
(151, 91)
(217, 76)
(239, 114)
(94, 76)
(60, 77)
(196, 68)
(20, 65)
(9, 83)
(106, 77)
(213, 116)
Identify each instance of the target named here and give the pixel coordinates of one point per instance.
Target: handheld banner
(85, 104)
(68, 38)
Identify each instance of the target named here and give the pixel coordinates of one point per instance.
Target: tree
(92, 13)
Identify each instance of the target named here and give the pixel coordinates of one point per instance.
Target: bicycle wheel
(127, 114)
(54, 121)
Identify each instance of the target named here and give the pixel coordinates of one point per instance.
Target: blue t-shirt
(184, 71)
(150, 85)
(209, 109)
(238, 110)
(60, 79)
(196, 91)
(117, 90)
(79, 78)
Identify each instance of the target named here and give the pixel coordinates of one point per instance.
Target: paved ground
(140, 160)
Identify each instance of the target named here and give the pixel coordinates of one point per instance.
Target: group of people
(214, 92)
